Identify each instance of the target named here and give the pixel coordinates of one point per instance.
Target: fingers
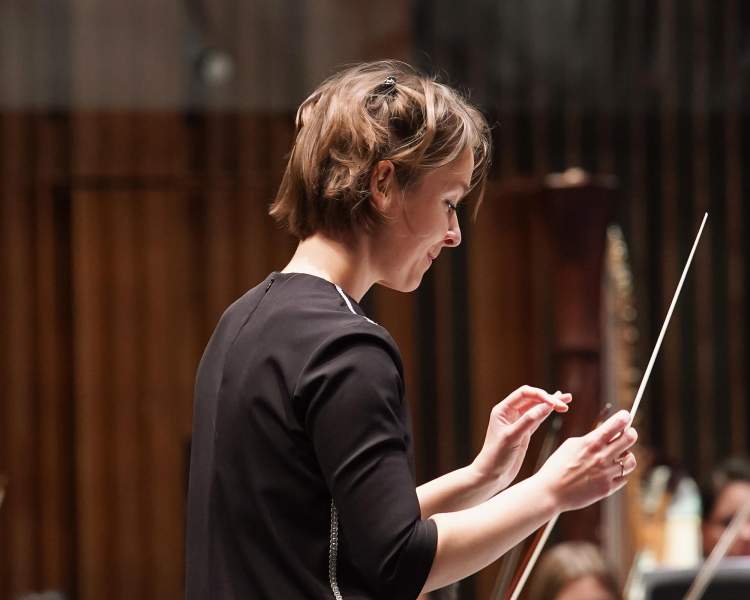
(622, 442)
(527, 396)
(624, 466)
(530, 421)
(600, 437)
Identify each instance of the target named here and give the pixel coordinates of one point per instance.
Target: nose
(453, 235)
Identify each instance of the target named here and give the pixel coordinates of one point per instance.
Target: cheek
(434, 227)
(425, 215)
(422, 225)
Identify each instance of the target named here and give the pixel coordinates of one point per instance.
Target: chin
(406, 285)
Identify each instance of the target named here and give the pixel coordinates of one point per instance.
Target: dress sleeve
(355, 416)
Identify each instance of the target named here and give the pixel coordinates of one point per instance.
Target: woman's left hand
(512, 422)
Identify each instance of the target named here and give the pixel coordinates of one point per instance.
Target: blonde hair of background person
(573, 571)
(383, 156)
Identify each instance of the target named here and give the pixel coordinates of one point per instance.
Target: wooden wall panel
(604, 46)
(93, 343)
(136, 356)
(632, 169)
(35, 540)
(53, 363)
(219, 280)
(502, 316)
(671, 265)
(121, 394)
(736, 237)
(20, 439)
(705, 333)
(168, 327)
(35, 532)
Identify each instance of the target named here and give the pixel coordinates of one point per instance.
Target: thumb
(530, 421)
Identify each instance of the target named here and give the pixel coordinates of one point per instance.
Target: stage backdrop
(125, 232)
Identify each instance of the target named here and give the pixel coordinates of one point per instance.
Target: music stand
(732, 582)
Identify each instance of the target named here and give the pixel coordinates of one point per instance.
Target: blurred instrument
(620, 513)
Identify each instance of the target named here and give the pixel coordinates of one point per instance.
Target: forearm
(580, 472)
(512, 422)
(471, 539)
(457, 490)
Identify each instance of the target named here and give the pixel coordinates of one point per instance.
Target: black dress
(299, 407)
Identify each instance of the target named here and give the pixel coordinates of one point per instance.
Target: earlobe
(381, 184)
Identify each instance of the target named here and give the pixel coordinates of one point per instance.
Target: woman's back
(299, 393)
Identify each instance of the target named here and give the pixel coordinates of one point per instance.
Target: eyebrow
(464, 187)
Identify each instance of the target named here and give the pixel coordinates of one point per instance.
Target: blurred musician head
(722, 496)
(573, 571)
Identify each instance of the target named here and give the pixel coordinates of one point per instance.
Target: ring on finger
(622, 468)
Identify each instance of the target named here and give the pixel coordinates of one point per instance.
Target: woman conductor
(301, 477)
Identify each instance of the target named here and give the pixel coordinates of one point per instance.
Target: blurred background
(141, 143)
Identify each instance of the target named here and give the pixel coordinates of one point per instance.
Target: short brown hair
(568, 562)
(359, 117)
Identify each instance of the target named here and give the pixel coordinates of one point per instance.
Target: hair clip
(387, 88)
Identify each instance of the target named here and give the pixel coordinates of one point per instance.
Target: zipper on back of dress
(333, 550)
(333, 543)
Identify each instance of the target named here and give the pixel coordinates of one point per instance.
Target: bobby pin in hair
(387, 88)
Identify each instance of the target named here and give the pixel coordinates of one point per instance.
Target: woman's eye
(451, 206)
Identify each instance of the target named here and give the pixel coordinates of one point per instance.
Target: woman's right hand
(588, 468)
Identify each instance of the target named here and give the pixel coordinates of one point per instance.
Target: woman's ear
(382, 185)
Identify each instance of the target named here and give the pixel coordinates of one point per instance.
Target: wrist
(483, 478)
(545, 494)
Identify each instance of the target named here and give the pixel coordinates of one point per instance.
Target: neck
(348, 267)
